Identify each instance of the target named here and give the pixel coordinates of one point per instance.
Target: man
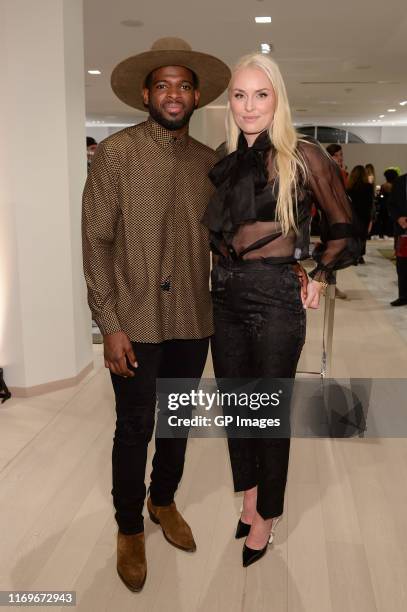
(336, 152)
(398, 212)
(91, 146)
(146, 262)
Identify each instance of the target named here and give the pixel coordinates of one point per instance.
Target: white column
(45, 331)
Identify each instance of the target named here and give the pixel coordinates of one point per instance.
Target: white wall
(215, 122)
(98, 133)
(46, 322)
(367, 133)
(378, 134)
(394, 134)
(76, 171)
(380, 155)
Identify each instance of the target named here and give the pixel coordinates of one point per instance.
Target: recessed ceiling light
(391, 110)
(403, 103)
(94, 72)
(265, 48)
(381, 116)
(262, 19)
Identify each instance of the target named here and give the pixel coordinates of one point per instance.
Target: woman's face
(252, 101)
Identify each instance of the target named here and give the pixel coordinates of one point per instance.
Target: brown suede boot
(176, 531)
(131, 560)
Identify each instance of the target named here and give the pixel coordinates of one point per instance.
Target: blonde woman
(259, 215)
(371, 174)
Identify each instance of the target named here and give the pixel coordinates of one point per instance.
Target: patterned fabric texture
(145, 250)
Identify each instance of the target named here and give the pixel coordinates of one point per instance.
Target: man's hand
(116, 348)
(402, 221)
(303, 278)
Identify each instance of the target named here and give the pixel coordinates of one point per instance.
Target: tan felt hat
(129, 76)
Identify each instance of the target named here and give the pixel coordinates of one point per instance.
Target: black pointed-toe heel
(242, 530)
(250, 555)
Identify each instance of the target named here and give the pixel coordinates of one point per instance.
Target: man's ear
(197, 97)
(146, 96)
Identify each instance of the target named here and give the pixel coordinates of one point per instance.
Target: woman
(258, 216)
(361, 193)
(371, 174)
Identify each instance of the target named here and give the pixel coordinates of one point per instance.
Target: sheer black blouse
(241, 214)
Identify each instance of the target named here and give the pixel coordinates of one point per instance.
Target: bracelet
(324, 285)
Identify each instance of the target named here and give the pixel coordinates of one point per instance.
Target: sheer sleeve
(339, 246)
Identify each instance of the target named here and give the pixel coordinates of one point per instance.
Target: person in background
(336, 152)
(385, 222)
(91, 146)
(371, 174)
(397, 206)
(361, 193)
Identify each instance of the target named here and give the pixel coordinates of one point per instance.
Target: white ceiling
(343, 61)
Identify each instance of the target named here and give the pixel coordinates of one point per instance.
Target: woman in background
(261, 209)
(361, 193)
(371, 174)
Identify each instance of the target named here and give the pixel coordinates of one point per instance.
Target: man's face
(171, 98)
(338, 157)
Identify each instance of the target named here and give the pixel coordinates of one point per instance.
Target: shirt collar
(165, 138)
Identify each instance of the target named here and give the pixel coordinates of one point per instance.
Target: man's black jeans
(135, 410)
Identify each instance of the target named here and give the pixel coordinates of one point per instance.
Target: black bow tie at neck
(239, 177)
(245, 157)
(262, 142)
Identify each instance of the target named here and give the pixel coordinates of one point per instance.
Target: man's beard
(169, 124)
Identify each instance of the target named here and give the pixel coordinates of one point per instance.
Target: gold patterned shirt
(145, 250)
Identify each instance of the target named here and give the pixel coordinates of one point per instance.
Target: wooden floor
(342, 543)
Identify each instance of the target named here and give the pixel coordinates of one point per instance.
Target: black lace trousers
(259, 333)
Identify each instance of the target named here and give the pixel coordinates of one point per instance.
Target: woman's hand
(314, 292)
(303, 278)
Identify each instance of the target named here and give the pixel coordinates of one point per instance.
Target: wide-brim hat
(128, 78)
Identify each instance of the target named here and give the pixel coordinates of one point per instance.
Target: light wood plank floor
(342, 543)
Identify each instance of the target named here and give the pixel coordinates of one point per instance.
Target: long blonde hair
(289, 163)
